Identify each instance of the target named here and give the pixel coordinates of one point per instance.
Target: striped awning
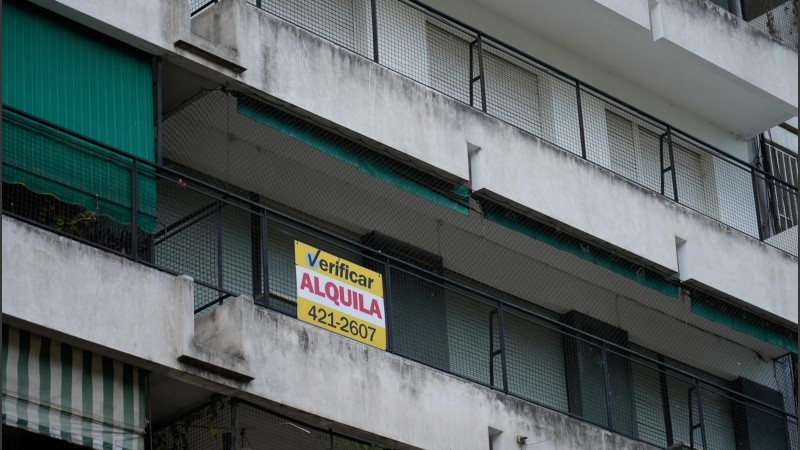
(54, 389)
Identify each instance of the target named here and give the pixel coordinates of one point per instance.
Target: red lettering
(375, 310)
(361, 305)
(347, 301)
(317, 290)
(358, 301)
(305, 283)
(331, 291)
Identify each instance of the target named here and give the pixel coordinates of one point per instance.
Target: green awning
(743, 321)
(583, 250)
(54, 389)
(85, 82)
(449, 195)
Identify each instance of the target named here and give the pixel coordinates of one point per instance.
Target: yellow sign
(340, 296)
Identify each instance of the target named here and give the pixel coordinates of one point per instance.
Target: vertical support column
(147, 408)
(492, 351)
(607, 386)
(387, 301)
(502, 330)
(580, 118)
(374, 11)
(661, 160)
(482, 73)
(264, 257)
(759, 224)
(255, 248)
(672, 164)
(218, 217)
(700, 413)
(134, 210)
(234, 423)
(662, 378)
(477, 43)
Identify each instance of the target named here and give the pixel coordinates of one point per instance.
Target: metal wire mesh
(474, 69)
(778, 22)
(227, 423)
(478, 288)
(196, 6)
(447, 285)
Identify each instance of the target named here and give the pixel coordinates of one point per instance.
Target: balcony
(467, 65)
(636, 377)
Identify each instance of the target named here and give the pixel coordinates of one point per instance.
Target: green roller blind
(78, 79)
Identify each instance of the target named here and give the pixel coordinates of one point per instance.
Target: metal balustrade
(468, 65)
(470, 332)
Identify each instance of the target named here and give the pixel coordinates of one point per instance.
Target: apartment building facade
(400, 224)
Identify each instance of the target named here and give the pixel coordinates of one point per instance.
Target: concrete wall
(300, 69)
(139, 315)
(640, 51)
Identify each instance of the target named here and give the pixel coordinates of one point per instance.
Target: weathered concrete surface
(109, 302)
(141, 315)
(314, 75)
(301, 69)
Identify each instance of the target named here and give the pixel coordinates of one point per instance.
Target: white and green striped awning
(55, 389)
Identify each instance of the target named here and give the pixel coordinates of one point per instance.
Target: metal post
(374, 11)
(700, 413)
(661, 160)
(234, 425)
(482, 73)
(580, 118)
(387, 299)
(256, 249)
(491, 347)
(502, 330)
(607, 385)
(148, 411)
(757, 204)
(672, 164)
(692, 427)
(662, 378)
(218, 215)
(786, 430)
(265, 257)
(472, 78)
(134, 211)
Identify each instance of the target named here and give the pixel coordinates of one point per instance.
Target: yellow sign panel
(340, 296)
(338, 268)
(338, 322)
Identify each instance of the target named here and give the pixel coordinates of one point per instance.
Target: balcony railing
(229, 245)
(468, 65)
(776, 18)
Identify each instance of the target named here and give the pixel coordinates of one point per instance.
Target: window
(512, 90)
(782, 164)
(635, 153)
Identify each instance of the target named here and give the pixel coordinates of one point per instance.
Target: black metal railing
(232, 245)
(465, 63)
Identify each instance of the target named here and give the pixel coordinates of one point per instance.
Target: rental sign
(340, 296)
